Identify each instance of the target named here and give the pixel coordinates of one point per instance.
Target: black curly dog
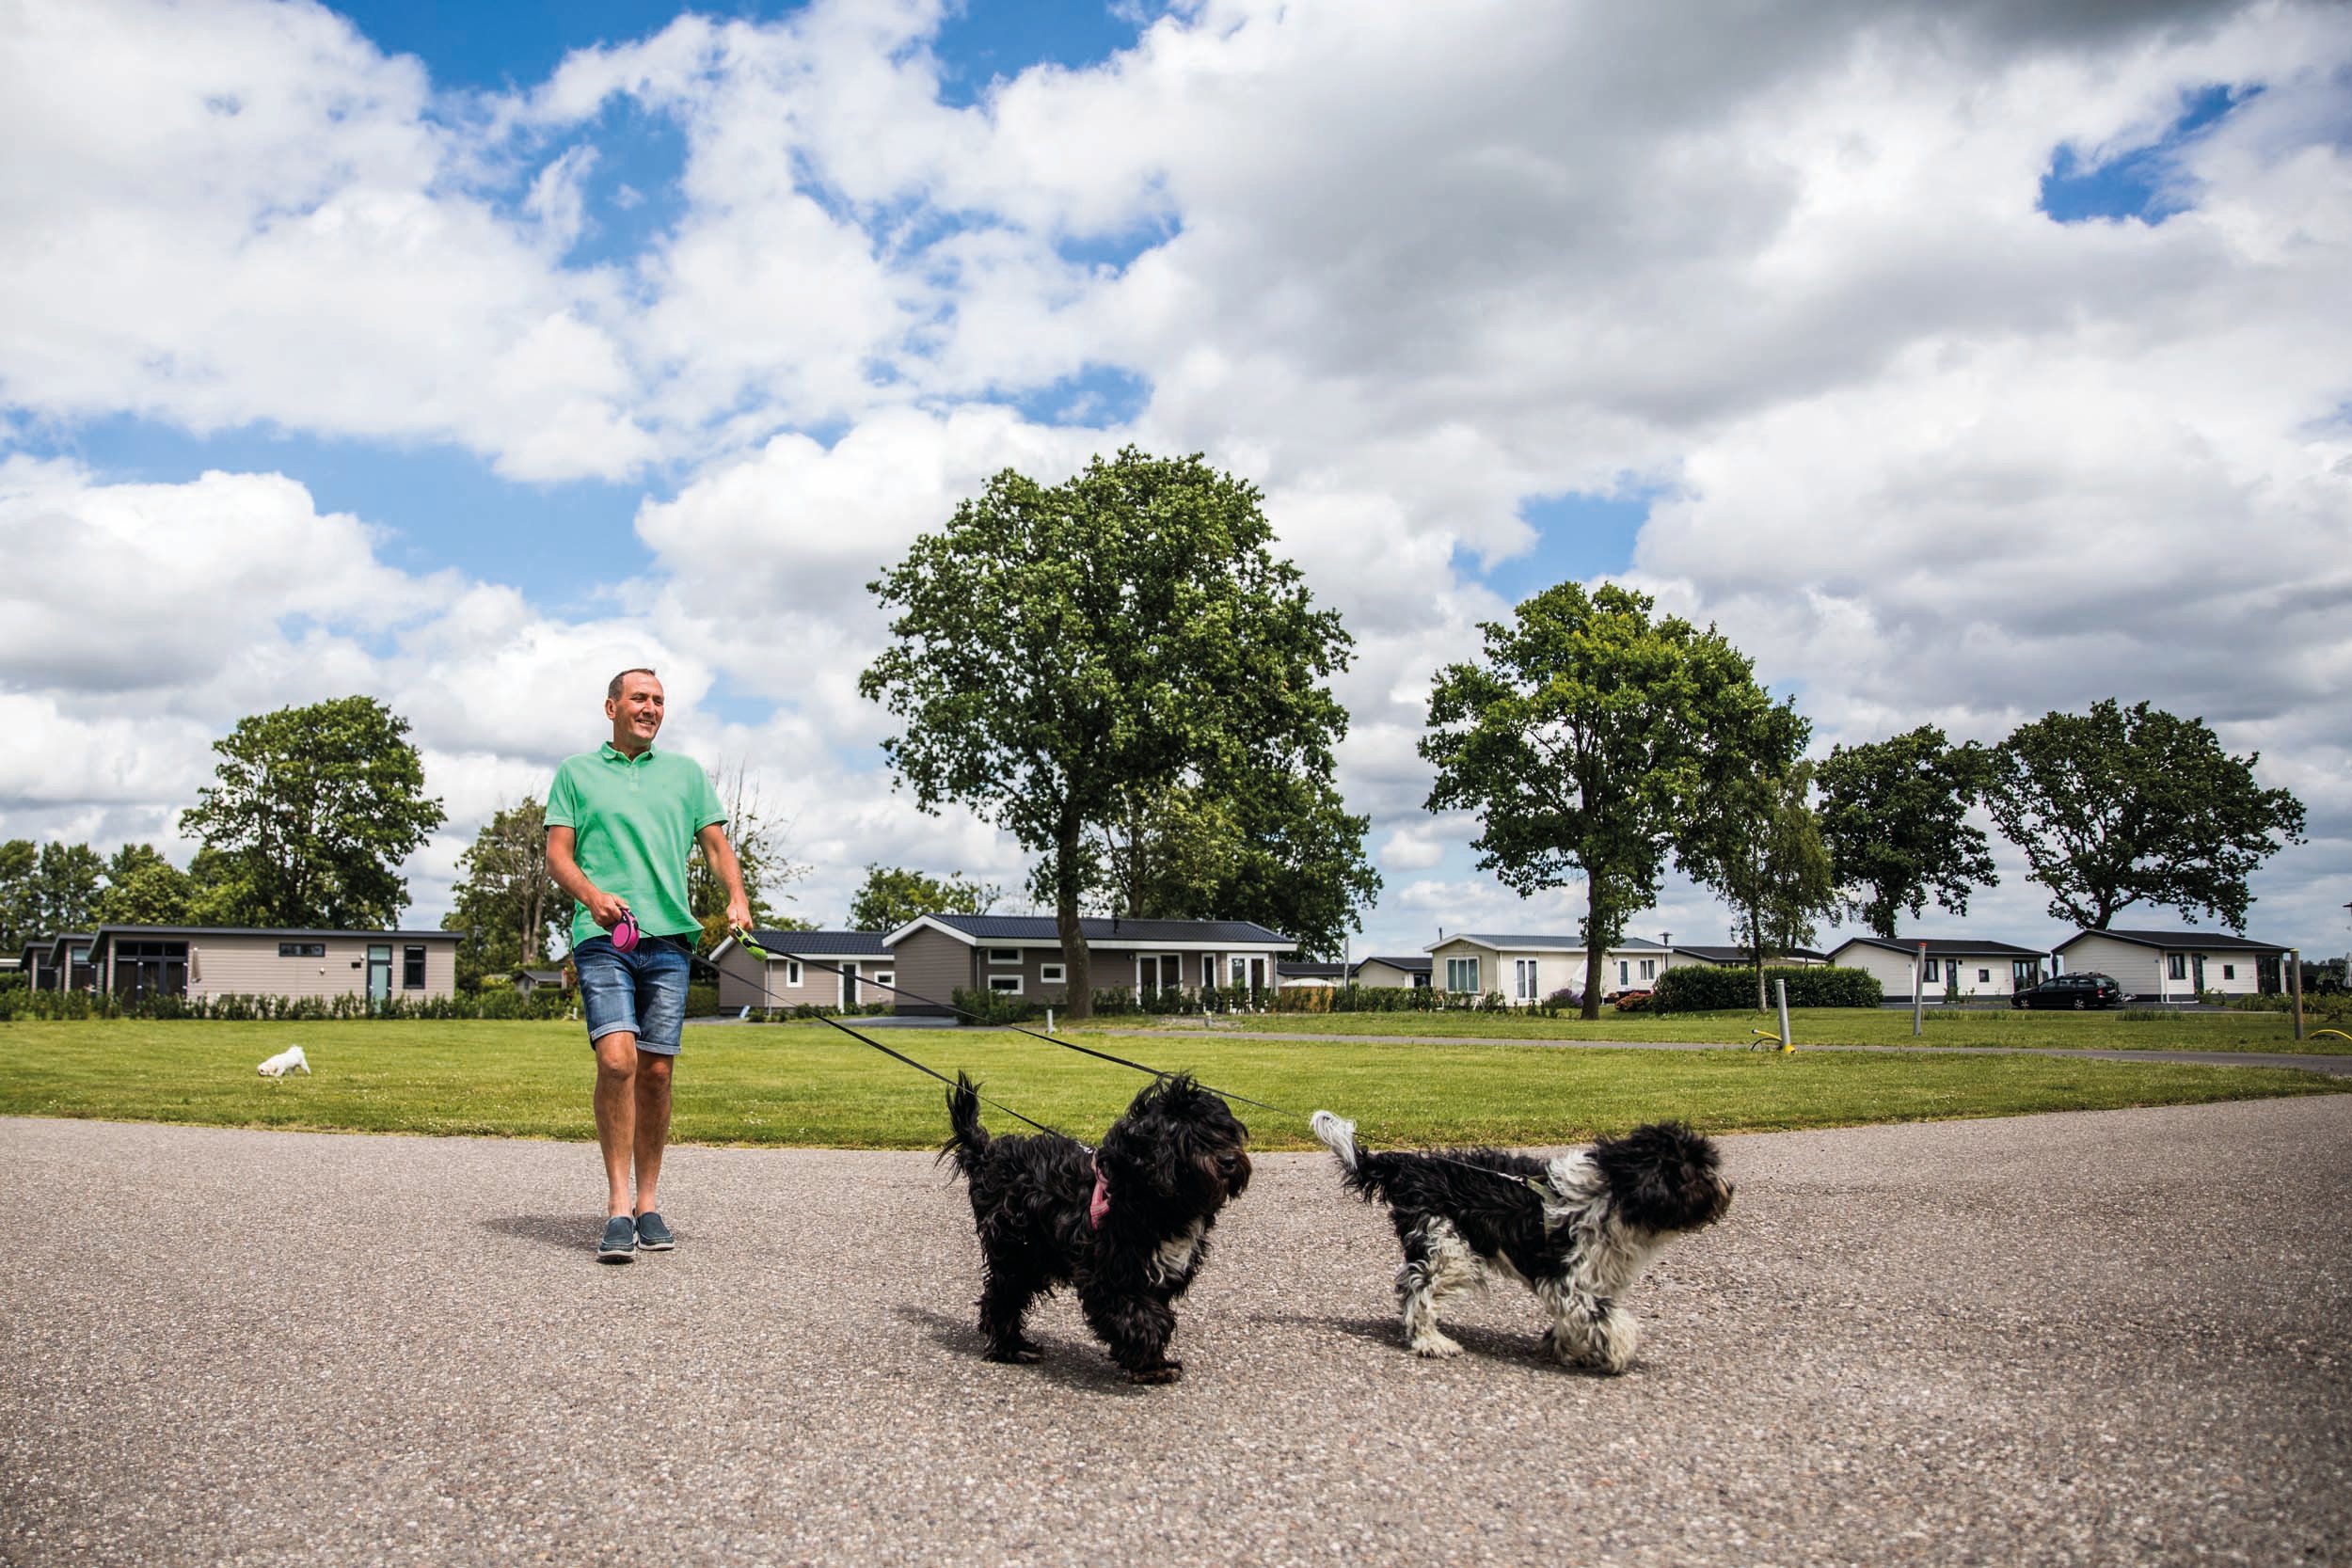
(1167, 1166)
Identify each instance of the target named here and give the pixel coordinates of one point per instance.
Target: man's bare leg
(653, 1127)
(616, 1113)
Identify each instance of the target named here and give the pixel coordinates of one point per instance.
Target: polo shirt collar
(613, 754)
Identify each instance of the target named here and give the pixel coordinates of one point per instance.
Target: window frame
(1003, 955)
(302, 950)
(792, 973)
(1458, 968)
(1005, 985)
(2176, 966)
(413, 962)
(1053, 975)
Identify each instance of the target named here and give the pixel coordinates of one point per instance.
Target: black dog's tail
(969, 1139)
(1364, 1173)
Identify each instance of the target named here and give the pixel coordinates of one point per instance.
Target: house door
(849, 985)
(1523, 979)
(1256, 975)
(2197, 966)
(379, 974)
(1148, 975)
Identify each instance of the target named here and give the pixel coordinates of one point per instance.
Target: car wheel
(2017, 1004)
(2080, 1004)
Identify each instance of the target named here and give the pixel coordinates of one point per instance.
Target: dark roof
(1574, 943)
(1939, 947)
(1740, 954)
(2210, 942)
(811, 944)
(261, 931)
(1415, 964)
(1041, 927)
(1310, 971)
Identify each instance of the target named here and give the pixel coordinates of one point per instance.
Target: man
(622, 821)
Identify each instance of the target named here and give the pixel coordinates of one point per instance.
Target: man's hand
(604, 909)
(739, 914)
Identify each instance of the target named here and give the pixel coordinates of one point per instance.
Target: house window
(1053, 975)
(1241, 973)
(1624, 973)
(884, 978)
(2176, 965)
(1984, 976)
(1649, 969)
(1461, 974)
(2229, 971)
(1523, 979)
(791, 971)
(1008, 984)
(1004, 955)
(412, 968)
(1935, 971)
(302, 950)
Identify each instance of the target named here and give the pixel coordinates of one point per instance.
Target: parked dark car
(2078, 992)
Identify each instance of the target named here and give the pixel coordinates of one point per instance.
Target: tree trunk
(1079, 998)
(1595, 941)
(1755, 952)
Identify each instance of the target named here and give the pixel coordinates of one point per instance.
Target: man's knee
(617, 1057)
(653, 1069)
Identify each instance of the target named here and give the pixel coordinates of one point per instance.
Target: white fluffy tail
(1337, 1134)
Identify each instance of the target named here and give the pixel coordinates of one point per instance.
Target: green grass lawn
(2105, 1031)
(806, 1085)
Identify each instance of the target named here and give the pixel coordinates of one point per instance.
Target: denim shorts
(643, 992)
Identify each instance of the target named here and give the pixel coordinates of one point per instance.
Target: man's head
(633, 703)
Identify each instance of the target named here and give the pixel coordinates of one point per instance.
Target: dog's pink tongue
(1099, 1204)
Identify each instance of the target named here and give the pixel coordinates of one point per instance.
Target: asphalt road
(2117, 1338)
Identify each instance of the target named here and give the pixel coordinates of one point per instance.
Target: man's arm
(716, 849)
(605, 909)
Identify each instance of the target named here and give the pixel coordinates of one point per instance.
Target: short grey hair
(612, 692)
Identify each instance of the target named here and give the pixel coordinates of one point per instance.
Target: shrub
(1697, 988)
(701, 1000)
(985, 1008)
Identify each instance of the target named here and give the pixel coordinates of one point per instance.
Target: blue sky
(1373, 258)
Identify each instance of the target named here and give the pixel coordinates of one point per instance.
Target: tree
(1759, 845)
(1061, 649)
(315, 808)
(1894, 813)
(506, 903)
(1278, 847)
(894, 895)
(145, 888)
(1585, 738)
(2121, 806)
(67, 880)
(758, 849)
(20, 894)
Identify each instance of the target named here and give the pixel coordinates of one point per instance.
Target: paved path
(2335, 1066)
(2094, 1338)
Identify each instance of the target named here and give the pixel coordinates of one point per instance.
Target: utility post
(1780, 992)
(2295, 984)
(1918, 991)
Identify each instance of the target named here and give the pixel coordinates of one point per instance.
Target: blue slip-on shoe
(619, 1244)
(652, 1234)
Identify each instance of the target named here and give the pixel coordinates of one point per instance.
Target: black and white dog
(1576, 1230)
(1128, 1226)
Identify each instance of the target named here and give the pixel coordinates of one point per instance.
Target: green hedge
(544, 1003)
(1702, 988)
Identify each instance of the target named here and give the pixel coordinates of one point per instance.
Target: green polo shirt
(633, 824)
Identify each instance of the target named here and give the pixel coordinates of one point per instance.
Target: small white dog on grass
(285, 1062)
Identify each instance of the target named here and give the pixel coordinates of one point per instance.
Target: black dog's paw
(1021, 1355)
(1166, 1371)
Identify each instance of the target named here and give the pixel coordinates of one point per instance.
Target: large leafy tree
(1061, 649)
(1586, 738)
(2121, 806)
(1894, 815)
(145, 888)
(892, 896)
(506, 903)
(314, 809)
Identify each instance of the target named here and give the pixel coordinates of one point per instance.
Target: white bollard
(1049, 1020)
(1780, 991)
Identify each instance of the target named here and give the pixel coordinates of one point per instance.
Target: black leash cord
(765, 956)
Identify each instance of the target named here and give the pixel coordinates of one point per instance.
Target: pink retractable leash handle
(625, 934)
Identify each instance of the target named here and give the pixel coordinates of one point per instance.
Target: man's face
(636, 713)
